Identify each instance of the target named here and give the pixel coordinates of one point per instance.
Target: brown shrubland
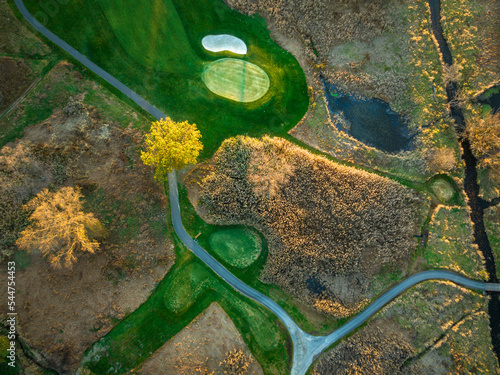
(377, 349)
(328, 226)
(320, 24)
(439, 160)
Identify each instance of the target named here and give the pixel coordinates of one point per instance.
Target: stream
(471, 185)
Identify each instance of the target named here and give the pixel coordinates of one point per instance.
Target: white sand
(224, 42)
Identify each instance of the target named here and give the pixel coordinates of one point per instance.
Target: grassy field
(239, 247)
(187, 290)
(445, 190)
(450, 244)
(163, 61)
(154, 36)
(492, 223)
(432, 326)
(471, 31)
(447, 319)
(236, 80)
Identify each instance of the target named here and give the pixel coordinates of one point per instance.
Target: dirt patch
(15, 77)
(201, 347)
(61, 313)
(329, 227)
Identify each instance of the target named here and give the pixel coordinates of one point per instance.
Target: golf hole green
(236, 80)
(238, 247)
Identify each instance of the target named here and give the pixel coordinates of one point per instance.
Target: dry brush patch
(320, 24)
(15, 77)
(380, 348)
(433, 328)
(450, 244)
(472, 30)
(329, 227)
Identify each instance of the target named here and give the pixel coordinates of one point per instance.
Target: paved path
(306, 348)
(89, 64)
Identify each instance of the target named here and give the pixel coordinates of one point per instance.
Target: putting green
(236, 80)
(238, 247)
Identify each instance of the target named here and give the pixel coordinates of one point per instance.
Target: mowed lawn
(240, 247)
(236, 80)
(154, 47)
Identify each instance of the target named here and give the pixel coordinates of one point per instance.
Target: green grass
(492, 224)
(450, 244)
(154, 36)
(443, 190)
(236, 80)
(131, 46)
(238, 247)
(186, 291)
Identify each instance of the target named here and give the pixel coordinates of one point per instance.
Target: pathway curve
(306, 347)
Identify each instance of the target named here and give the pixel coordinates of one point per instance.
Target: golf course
(287, 246)
(156, 50)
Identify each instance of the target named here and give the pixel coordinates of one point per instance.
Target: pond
(370, 121)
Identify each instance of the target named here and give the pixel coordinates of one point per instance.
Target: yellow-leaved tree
(171, 145)
(59, 227)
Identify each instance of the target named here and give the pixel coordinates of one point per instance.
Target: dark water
(471, 185)
(370, 121)
(435, 7)
(492, 100)
(315, 286)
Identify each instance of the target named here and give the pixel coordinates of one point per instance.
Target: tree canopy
(59, 227)
(171, 145)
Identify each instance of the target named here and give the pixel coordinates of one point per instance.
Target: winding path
(306, 348)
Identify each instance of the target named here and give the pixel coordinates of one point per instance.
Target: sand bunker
(224, 42)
